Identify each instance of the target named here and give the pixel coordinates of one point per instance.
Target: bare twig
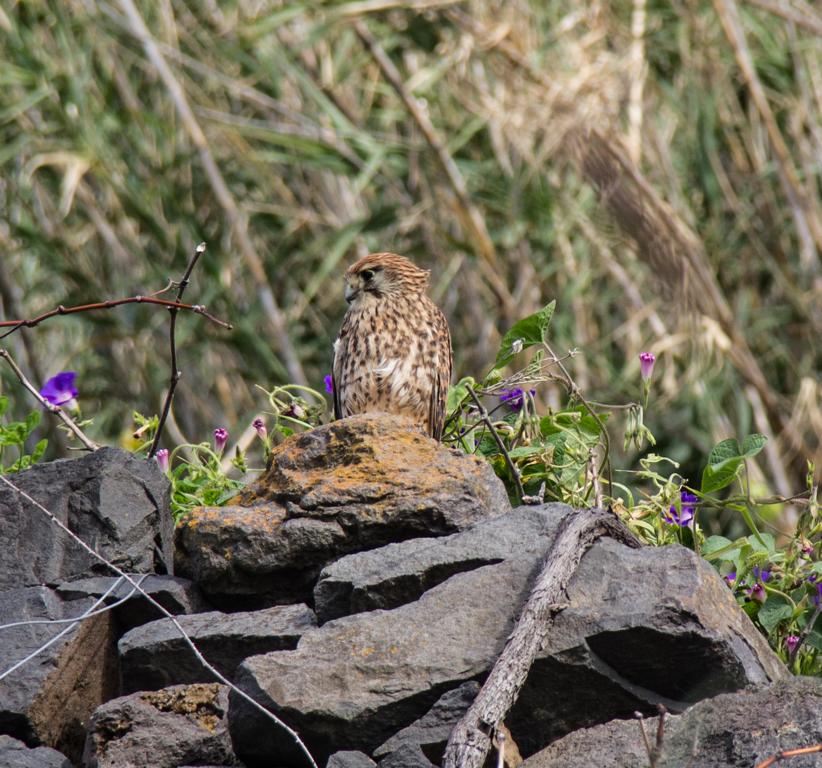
(236, 219)
(469, 742)
(574, 391)
(50, 407)
(199, 309)
(648, 748)
(660, 731)
(172, 327)
(473, 220)
(785, 753)
(592, 468)
(803, 635)
(512, 468)
(170, 616)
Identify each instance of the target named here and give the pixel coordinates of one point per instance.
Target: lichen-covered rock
(352, 485)
(743, 728)
(162, 729)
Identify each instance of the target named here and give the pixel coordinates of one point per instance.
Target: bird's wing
(441, 379)
(337, 367)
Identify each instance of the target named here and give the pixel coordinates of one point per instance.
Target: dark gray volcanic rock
(354, 682)
(47, 700)
(349, 760)
(15, 754)
(733, 729)
(648, 626)
(352, 485)
(643, 627)
(399, 573)
(155, 655)
(116, 503)
(161, 729)
(425, 739)
(176, 595)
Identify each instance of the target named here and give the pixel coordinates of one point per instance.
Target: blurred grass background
(655, 167)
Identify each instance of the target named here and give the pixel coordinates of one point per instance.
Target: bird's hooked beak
(351, 292)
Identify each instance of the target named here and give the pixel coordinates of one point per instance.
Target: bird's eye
(367, 274)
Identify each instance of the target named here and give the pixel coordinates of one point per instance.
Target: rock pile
(361, 590)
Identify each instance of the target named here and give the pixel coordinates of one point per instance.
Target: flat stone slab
(743, 728)
(355, 484)
(643, 627)
(176, 595)
(399, 573)
(155, 655)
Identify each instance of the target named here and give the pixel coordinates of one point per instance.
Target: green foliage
(197, 478)
(14, 434)
(726, 459)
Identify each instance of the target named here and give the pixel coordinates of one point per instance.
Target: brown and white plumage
(393, 352)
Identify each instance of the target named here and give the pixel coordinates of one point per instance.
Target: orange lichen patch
(365, 458)
(197, 701)
(266, 519)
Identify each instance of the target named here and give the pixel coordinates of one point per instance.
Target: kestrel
(393, 352)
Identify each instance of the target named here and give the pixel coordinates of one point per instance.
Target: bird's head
(380, 275)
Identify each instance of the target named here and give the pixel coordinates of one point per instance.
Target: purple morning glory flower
(760, 574)
(818, 596)
(515, 397)
(731, 578)
(646, 364)
(757, 592)
(220, 439)
(791, 642)
(687, 505)
(60, 389)
(259, 425)
(162, 459)
(329, 384)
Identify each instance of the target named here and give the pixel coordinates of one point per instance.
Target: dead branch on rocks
(786, 753)
(469, 742)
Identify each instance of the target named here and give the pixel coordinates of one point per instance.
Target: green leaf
(32, 420)
(716, 547)
(726, 459)
(526, 450)
(762, 542)
(774, 610)
(814, 640)
(39, 450)
(753, 444)
(530, 330)
(458, 393)
(724, 463)
(4, 403)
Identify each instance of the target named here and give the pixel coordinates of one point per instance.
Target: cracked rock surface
(642, 627)
(351, 485)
